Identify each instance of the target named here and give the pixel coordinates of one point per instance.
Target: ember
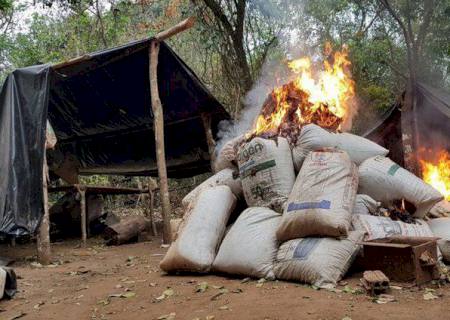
(324, 101)
(437, 173)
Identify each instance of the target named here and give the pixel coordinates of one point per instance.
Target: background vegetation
(390, 41)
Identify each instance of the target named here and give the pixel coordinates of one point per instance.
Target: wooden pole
(408, 133)
(158, 123)
(82, 192)
(43, 238)
(151, 199)
(206, 119)
(183, 25)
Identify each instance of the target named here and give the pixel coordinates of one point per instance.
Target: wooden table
(89, 189)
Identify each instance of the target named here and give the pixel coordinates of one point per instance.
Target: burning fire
(437, 173)
(323, 99)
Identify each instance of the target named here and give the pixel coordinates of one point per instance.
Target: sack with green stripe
(385, 181)
(267, 172)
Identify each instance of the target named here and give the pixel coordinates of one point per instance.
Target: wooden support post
(409, 136)
(82, 192)
(151, 200)
(206, 119)
(158, 123)
(43, 238)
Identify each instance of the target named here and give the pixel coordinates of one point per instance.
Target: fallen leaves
(166, 293)
(430, 294)
(220, 293)
(169, 316)
(348, 289)
(384, 298)
(260, 282)
(201, 287)
(17, 316)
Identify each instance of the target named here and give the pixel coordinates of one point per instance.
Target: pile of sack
(309, 205)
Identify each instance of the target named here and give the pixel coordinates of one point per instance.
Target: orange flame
(437, 173)
(323, 100)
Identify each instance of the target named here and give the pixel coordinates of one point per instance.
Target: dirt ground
(125, 282)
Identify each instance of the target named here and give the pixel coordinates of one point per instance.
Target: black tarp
(100, 109)
(23, 113)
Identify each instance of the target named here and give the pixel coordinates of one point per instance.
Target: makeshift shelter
(99, 106)
(432, 117)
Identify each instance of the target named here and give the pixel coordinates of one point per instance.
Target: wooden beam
(180, 27)
(43, 238)
(206, 119)
(158, 123)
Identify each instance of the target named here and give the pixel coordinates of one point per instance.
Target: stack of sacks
(305, 228)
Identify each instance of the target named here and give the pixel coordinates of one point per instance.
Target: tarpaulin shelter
(432, 116)
(99, 106)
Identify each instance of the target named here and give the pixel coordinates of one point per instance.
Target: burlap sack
(322, 199)
(385, 181)
(226, 177)
(382, 227)
(365, 205)
(313, 137)
(226, 157)
(267, 172)
(318, 261)
(441, 228)
(198, 241)
(250, 246)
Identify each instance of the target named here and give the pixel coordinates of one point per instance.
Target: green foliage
(272, 29)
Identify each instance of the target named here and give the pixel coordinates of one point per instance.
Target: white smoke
(274, 72)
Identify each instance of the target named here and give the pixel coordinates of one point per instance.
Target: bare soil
(125, 282)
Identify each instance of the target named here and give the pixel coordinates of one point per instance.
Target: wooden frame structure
(43, 243)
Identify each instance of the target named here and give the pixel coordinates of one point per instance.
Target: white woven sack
(267, 172)
(365, 205)
(226, 177)
(440, 209)
(386, 181)
(318, 261)
(226, 157)
(250, 246)
(441, 228)
(198, 240)
(322, 198)
(382, 227)
(313, 137)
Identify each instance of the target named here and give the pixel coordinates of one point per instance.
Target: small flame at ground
(437, 173)
(323, 99)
